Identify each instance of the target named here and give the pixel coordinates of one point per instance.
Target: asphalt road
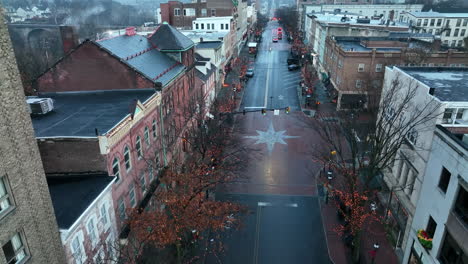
(284, 224)
(272, 85)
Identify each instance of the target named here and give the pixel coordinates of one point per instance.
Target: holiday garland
(424, 239)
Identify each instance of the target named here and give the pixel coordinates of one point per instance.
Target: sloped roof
(73, 194)
(199, 57)
(79, 114)
(167, 38)
(138, 52)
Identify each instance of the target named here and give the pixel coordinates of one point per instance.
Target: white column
(409, 181)
(403, 175)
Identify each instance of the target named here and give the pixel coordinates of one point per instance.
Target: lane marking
(263, 204)
(266, 85)
(292, 205)
(257, 235)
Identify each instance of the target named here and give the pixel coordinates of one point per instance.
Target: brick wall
(71, 155)
(33, 214)
(344, 73)
(87, 69)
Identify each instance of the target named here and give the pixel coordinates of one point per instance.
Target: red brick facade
(343, 66)
(90, 68)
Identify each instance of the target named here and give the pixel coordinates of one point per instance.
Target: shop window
(451, 253)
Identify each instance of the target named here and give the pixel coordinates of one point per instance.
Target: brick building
(29, 231)
(181, 15)
(319, 26)
(355, 66)
(119, 110)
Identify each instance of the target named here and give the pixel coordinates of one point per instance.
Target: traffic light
(263, 111)
(243, 112)
(288, 109)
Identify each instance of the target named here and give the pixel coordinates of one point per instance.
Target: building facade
(355, 66)
(440, 87)
(181, 15)
(29, 231)
(322, 26)
(450, 27)
(381, 11)
(85, 215)
(442, 207)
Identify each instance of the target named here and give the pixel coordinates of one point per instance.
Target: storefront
(417, 253)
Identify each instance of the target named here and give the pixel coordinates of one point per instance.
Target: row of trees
(359, 151)
(183, 216)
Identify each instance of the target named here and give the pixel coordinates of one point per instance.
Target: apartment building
(181, 15)
(355, 66)
(377, 11)
(451, 27)
(442, 208)
(320, 26)
(29, 231)
(443, 88)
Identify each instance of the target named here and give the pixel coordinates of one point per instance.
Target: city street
(284, 223)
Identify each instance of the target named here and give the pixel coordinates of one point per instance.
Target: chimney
(431, 90)
(201, 39)
(436, 43)
(130, 31)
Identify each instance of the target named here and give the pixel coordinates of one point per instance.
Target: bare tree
(360, 145)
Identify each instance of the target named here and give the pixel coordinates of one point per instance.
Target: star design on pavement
(270, 137)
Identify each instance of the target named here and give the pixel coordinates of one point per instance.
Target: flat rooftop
(356, 46)
(450, 83)
(211, 35)
(437, 14)
(79, 114)
(336, 19)
(72, 194)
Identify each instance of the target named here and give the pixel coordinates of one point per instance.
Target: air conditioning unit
(40, 106)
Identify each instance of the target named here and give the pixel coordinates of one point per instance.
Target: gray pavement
(284, 223)
(272, 86)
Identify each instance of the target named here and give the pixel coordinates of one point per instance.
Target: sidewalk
(373, 233)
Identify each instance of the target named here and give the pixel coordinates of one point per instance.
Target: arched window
(147, 136)
(116, 168)
(127, 158)
(138, 147)
(155, 129)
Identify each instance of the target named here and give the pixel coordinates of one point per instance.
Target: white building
(446, 88)
(442, 209)
(213, 50)
(385, 11)
(451, 27)
(252, 14)
(85, 215)
(208, 24)
(228, 41)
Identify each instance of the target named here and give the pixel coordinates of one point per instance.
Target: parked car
(250, 72)
(293, 67)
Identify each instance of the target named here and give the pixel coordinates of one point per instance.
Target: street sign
(276, 112)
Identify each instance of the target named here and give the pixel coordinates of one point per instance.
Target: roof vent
(40, 106)
(130, 31)
(431, 90)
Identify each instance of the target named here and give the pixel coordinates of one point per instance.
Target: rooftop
(209, 45)
(214, 18)
(351, 19)
(204, 77)
(449, 83)
(437, 14)
(79, 114)
(349, 45)
(210, 35)
(167, 38)
(72, 194)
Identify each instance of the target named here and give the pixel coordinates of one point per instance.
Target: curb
(321, 217)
